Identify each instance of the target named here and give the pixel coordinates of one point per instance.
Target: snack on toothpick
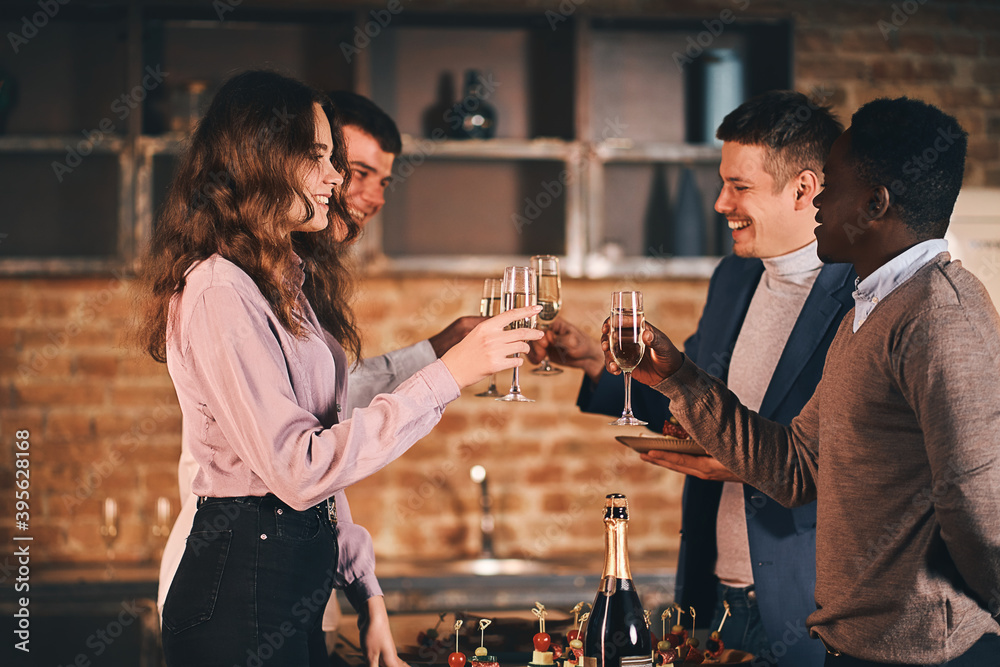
(714, 646)
(481, 658)
(678, 635)
(653, 640)
(575, 654)
(430, 636)
(690, 651)
(575, 633)
(456, 659)
(541, 656)
(665, 652)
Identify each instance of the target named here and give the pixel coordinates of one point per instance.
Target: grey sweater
(900, 446)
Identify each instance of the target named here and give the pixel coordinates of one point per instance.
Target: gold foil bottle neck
(616, 539)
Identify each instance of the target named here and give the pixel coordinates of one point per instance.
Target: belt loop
(201, 501)
(829, 649)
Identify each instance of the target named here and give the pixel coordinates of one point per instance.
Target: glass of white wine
(549, 298)
(489, 306)
(627, 346)
(519, 291)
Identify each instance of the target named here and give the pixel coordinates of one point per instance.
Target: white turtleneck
(775, 307)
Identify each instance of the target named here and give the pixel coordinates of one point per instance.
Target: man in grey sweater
(899, 444)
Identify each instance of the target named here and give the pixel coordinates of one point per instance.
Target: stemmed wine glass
(550, 298)
(489, 306)
(627, 346)
(519, 291)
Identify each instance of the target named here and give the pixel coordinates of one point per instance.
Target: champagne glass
(519, 291)
(627, 347)
(489, 306)
(550, 298)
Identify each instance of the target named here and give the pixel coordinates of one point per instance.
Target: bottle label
(637, 661)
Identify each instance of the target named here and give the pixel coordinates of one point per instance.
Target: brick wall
(104, 422)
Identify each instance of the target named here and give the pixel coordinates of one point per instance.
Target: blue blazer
(782, 540)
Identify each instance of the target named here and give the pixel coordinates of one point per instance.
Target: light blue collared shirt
(873, 289)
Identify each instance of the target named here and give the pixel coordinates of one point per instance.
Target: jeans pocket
(296, 526)
(193, 592)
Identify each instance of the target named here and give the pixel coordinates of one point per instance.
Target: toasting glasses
(550, 297)
(627, 347)
(518, 291)
(490, 306)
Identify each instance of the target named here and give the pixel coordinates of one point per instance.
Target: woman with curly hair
(245, 297)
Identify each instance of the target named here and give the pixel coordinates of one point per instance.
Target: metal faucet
(486, 522)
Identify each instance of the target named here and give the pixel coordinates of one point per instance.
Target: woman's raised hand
(488, 347)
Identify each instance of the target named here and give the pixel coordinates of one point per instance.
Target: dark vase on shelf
(473, 117)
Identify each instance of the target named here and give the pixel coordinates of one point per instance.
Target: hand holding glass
(627, 347)
(519, 290)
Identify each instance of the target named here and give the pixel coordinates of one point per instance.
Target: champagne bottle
(617, 632)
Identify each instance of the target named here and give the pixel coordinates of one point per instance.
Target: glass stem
(493, 382)
(628, 394)
(515, 386)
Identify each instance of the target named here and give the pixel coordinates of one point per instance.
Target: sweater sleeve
(948, 371)
(247, 391)
(779, 460)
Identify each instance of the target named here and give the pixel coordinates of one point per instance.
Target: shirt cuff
(364, 587)
(441, 382)
(687, 383)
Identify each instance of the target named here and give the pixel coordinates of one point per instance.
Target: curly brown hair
(233, 194)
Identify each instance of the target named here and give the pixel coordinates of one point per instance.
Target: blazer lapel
(728, 319)
(818, 314)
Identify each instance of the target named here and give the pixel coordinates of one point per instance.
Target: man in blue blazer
(771, 313)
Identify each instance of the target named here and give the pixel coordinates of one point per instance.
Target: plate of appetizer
(674, 439)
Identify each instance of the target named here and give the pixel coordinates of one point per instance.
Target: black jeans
(984, 653)
(251, 586)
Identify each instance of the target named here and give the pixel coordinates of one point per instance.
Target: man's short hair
(917, 152)
(796, 132)
(361, 112)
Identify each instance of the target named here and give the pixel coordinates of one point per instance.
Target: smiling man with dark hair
(900, 444)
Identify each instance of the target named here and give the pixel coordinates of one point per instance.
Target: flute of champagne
(627, 346)
(519, 290)
(550, 299)
(490, 306)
